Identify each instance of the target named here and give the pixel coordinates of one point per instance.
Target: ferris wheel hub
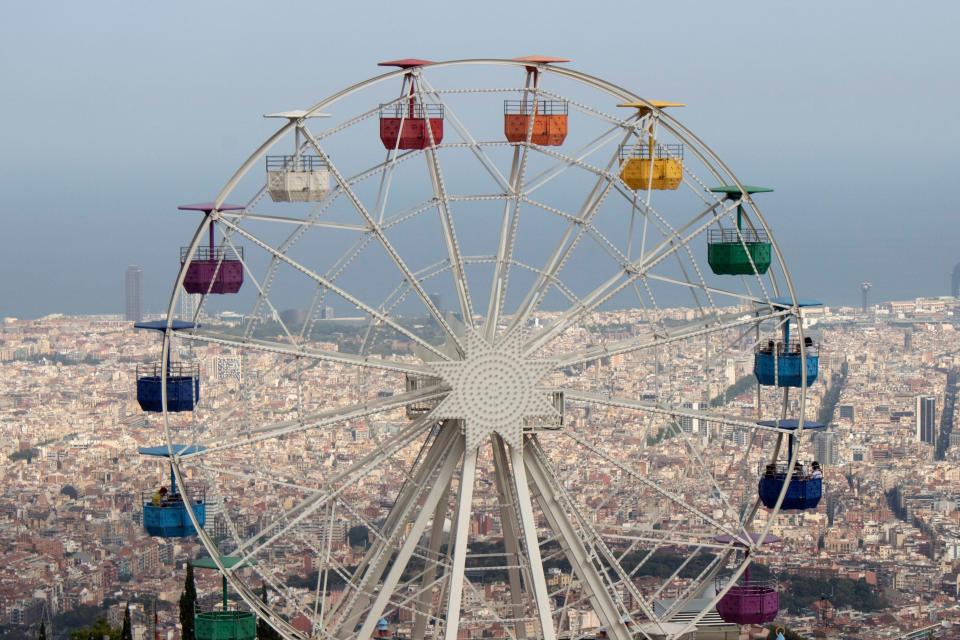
(494, 389)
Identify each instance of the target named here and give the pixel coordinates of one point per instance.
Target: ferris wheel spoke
(459, 544)
(411, 488)
(706, 473)
(318, 420)
(269, 346)
(443, 455)
(291, 239)
(262, 293)
(671, 538)
(332, 274)
(605, 560)
(623, 261)
(386, 183)
(624, 278)
(510, 221)
(256, 475)
(377, 231)
(742, 297)
(660, 409)
(706, 576)
(337, 485)
(642, 479)
(341, 292)
(475, 147)
(432, 562)
(436, 492)
(507, 235)
(319, 224)
(554, 505)
(528, 533)
(666, 230)
(700, 327)
(449, 232)
(581, 155)
(509, 526)
(565, 246)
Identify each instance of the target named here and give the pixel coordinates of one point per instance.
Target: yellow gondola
(649, 165)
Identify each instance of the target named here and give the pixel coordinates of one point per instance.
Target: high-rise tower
(864, 291)
(825, 447)
(955, 281)
(926, 417)
(133, 285)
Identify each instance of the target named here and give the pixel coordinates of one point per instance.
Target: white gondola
(301, 177)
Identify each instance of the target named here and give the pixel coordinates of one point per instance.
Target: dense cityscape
(878, 558)
(465, 321)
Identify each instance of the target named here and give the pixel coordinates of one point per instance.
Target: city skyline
(642, 326)
(836, 228)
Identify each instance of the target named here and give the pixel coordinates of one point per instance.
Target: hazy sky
(112, 113)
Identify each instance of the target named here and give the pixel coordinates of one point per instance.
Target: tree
(358, 536)
(264, 630)
(126, 633)
(97, 631)
(188, 605)
(43, 631)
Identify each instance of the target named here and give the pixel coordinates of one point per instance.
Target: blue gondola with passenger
(165, 510)
(779, 361)
(806, 482)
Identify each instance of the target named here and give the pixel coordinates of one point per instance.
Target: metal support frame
(574, 548)
(429, 484)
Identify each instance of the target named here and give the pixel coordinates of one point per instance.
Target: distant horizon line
(119, 315)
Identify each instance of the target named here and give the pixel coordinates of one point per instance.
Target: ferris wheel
(467, 373)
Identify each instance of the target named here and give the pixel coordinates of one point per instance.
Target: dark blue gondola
(804, 490)
(779, 362)
(166, 516)
(183, 380)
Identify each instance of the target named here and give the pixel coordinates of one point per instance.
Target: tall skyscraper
(688, 424)
(955, 281)
(825, 447)
(694, 426)
(189, 303)
(133, 290)
(926, 416)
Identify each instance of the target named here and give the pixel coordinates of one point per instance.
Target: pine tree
(264, 630)
(43, 631)
(188, 605)
(126, 633)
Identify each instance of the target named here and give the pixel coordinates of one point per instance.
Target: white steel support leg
(510, 528)
(464, 507)
(375, 562)
(575, 551)
(437, 491)
(425, 598)
(529, 531)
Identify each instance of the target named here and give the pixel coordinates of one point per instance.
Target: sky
(112, 113)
